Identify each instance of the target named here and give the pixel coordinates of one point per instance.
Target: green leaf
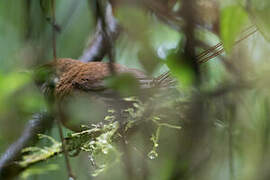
(126, 84)
(148, 59)
(260, 12)
(137, 22)
(46, 6)
(181, 69)
(11, 82)
(233, 18)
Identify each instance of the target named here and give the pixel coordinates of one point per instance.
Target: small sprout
(109, 118)
(170, 126)
(220, 124)
(99, 170)
(111, 111)
(156, 118)
(132, 98)
(136, 105)
(152, 155)
(155, 138)
(131, 112)
(85, 126)
(95, 125)
(129, 125)
(92, 160)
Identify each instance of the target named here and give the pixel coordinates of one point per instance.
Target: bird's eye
(52, 82)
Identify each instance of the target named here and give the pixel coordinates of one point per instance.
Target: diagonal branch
(39, 123)
(107, 24)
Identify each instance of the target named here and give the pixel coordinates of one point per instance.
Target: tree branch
(98, 48)
(38, 124)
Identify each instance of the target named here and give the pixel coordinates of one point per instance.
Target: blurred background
(222, 104)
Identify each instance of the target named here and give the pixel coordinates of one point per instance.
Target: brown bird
(67, 80)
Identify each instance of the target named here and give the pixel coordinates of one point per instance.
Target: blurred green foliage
(260, 13)
(180, 68)
(233, 18)
(125, 84)
(239, 120)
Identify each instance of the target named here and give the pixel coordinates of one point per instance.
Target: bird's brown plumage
(73, 74)
(69, 81)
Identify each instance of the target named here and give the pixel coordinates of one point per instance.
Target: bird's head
(48, 75)
(45, 78)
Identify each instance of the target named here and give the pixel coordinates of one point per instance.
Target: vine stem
(59, 112)
(53, 31)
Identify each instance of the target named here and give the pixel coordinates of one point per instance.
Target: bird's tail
(165, 80)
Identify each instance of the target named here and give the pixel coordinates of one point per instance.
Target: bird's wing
(85, 85)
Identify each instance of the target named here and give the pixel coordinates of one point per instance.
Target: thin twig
(59, 125)
(61, 116)
(53, 31)
(127, 156)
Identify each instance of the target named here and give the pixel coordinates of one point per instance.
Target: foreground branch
(39, 123)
